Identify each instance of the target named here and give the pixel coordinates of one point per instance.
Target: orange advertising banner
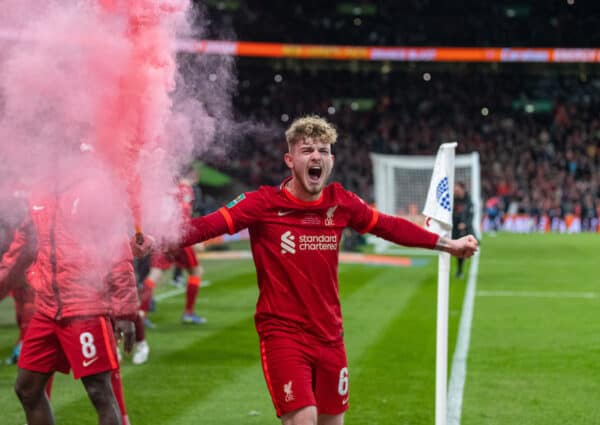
(399, 54)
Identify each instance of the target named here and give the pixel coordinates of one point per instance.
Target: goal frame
(384, 168)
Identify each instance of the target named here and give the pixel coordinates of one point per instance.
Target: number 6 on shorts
(343, 382)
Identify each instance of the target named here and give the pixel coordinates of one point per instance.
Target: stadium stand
(535, 23)
(535, 126)
(538, 135)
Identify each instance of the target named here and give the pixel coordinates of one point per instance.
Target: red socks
(146, 294)
(191, 294)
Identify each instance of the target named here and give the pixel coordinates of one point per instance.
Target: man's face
(310, 162)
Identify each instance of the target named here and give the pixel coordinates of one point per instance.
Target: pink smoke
(102, 73)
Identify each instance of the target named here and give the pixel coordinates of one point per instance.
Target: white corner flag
(438, 213)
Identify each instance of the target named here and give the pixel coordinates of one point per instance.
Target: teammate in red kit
(13, 280)
(77, 289)
(184, 258)
(295, 231)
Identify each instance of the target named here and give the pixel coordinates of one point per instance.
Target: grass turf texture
(532, 359)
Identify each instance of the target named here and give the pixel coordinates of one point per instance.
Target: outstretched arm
(207, 227)
(404, 232)
(200, 229)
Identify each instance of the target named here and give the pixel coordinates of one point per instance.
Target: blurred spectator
(534, 23)
(537, 135)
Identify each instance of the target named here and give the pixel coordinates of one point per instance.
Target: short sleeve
(244, 210)
(362, 217)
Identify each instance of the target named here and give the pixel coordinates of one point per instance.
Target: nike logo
(37, 207)
(86, 363)
(345, 401)
(281, 213)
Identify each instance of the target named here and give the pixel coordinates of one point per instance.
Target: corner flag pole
(438, 213)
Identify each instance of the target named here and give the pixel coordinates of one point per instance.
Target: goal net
(401, 183)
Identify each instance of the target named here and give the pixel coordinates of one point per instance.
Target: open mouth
(314, 173)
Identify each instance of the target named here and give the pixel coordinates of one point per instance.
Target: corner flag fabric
(438, 205)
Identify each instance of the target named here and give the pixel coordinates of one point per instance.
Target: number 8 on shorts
(88, 349)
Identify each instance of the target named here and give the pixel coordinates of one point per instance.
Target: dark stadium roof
(539, 23)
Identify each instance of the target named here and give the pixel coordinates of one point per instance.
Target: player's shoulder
(334, 189)
(260, 195)
(268, 189)
(265, 192)
(338, 192)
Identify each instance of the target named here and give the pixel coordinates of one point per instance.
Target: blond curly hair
(312, 126)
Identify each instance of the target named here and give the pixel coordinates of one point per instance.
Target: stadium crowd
(538, 136)
(410, 23)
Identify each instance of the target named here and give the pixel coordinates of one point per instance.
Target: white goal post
(401, 183)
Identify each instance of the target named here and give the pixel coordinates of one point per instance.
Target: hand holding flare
(141, 245)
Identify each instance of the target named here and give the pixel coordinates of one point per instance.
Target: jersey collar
(295, 200)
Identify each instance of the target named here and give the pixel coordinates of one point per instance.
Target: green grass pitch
(533, 357)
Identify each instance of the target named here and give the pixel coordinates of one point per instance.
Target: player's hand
(141, 246)
(125, 329)
(464, 247)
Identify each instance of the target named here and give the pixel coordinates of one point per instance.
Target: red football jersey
(295, 246)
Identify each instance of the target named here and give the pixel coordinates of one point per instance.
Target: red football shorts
(184, 258)
(86, 345)
(301, 371)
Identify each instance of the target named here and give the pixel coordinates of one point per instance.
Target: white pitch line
(458, 373)
(176, 291)
(169, 294)
(540, 294)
